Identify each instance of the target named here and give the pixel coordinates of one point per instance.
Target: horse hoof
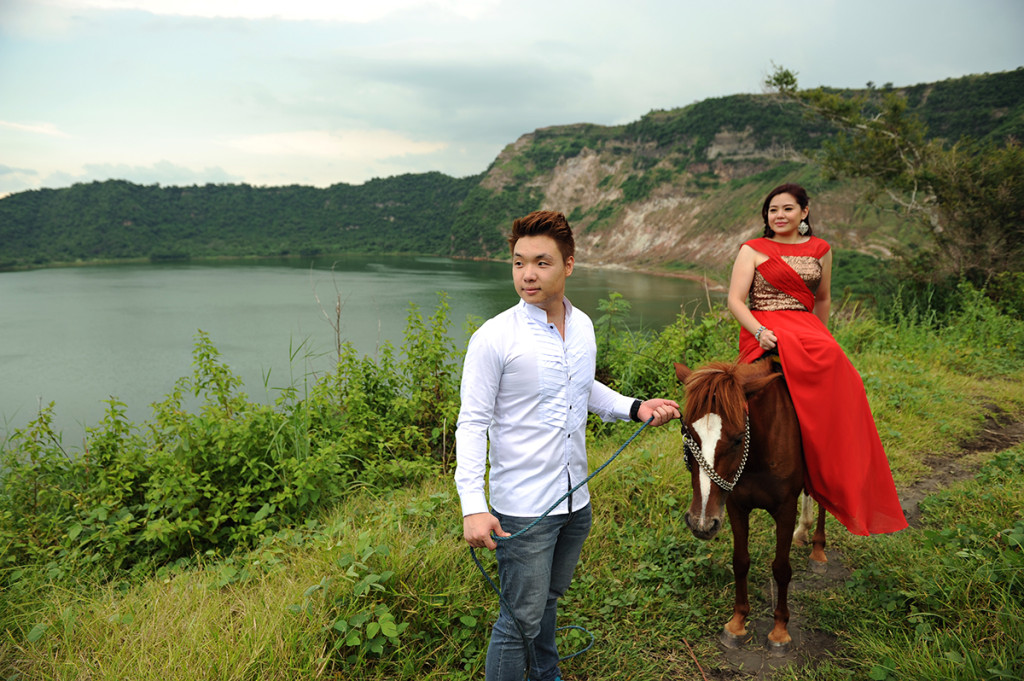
(734, 642)
(780, 649)
(818, 567)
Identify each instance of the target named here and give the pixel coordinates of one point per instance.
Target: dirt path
(754, 661)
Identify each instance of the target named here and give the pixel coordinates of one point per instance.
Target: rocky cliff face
(691, 215)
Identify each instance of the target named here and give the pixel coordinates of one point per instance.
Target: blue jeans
(534, 569)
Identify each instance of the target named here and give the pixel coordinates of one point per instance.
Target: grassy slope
(919, 605)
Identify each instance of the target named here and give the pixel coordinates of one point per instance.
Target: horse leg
(735, 631)
(819, 560)
(802, 534)
(779, 638)
(806, 520)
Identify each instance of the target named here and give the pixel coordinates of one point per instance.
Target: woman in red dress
(786, 274)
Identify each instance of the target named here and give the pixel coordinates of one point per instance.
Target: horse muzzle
(704, 527)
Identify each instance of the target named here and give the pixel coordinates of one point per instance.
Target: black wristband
(634, 411)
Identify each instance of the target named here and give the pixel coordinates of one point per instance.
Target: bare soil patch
(999, 432)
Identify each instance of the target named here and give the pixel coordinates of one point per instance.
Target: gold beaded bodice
(764, 296)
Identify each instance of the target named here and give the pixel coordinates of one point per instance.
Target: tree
(969, 195)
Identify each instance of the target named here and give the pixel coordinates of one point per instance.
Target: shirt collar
(539, 314)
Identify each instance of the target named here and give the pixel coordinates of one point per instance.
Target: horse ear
(682, 371)
(759, 383)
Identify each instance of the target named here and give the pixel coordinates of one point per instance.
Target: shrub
(217, 479)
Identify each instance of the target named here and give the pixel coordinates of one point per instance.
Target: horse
(741, 429)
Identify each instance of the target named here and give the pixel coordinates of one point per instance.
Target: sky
(281, 92)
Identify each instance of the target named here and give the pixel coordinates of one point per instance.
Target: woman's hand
(767, 340)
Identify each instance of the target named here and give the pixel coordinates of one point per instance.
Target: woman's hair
(798, 192)
(545, 223)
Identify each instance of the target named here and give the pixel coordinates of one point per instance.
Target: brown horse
(741, 430)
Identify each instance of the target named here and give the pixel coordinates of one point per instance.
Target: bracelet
(634, 411)
(757, 334)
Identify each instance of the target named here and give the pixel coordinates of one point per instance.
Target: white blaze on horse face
(709, 429)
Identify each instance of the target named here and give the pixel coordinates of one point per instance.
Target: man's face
(539, 272)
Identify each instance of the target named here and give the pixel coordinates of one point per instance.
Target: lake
(77, 336)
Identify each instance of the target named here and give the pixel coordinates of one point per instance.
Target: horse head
(716, 436)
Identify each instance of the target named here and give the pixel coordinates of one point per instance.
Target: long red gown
(847, 469)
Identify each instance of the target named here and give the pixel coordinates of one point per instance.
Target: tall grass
(377, 584)
(941, 602)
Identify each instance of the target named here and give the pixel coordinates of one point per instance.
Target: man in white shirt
(527, 385)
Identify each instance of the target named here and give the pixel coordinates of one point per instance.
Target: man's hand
(477, 528)
(663, 411)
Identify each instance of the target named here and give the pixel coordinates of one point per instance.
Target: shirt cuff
(474, 503)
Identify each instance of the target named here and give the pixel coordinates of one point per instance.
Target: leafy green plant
(359, 623)
(611, 324)
(220, 477)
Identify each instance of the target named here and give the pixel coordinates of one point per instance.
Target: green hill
(677, 189)
(117, 219)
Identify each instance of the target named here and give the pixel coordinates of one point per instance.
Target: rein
(691, 444)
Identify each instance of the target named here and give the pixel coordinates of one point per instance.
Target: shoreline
(709, 283)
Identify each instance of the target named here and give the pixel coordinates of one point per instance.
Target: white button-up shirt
(528, 392)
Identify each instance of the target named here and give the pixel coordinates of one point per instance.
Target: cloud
(317, 92)
(349, 144)
(37, 128)
(16, 180)
(7, 170)
(162, 172)
(294, 10)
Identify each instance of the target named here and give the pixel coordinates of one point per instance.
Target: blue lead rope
(501, 597)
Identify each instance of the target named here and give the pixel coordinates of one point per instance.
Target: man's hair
(545, 223)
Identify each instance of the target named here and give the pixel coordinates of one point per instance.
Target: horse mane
(718, 388)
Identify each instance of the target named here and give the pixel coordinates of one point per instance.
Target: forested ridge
(117, 219)
(693, 151)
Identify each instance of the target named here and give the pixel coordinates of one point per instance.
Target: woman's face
(785, 215)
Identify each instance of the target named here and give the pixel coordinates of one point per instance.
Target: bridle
(691, 444)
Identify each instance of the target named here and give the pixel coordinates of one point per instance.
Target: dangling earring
(803, 228)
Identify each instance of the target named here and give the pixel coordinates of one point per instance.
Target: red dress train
(847, 469)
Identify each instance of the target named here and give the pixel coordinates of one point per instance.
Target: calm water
(78, 336)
